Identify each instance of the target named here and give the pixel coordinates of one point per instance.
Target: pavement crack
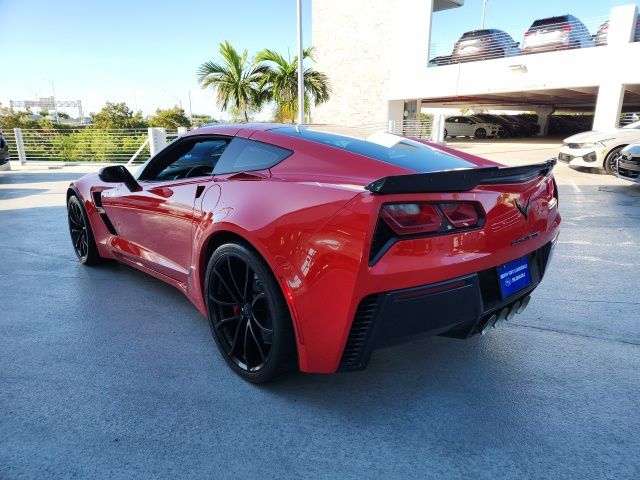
(573, 334)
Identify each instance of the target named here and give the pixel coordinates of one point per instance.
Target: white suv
(598, 149)
(470, 127)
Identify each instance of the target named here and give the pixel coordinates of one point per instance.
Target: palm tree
(280, 83)
(236, 80)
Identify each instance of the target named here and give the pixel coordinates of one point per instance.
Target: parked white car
(470, 127)
(598, 149)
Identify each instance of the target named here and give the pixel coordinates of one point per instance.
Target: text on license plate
(514, 276)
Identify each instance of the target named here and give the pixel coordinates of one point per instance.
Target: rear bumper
(459, 308)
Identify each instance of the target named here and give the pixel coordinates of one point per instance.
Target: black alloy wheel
(248, 315)
(84, 243)
(480, 133)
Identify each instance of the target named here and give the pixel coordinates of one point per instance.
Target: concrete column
(157, 139)
(22, 154)
(544, 115)
(395, 116)
(622, 25)
(608, 105)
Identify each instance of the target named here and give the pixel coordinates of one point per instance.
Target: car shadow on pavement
(19, 177)
(12, 193)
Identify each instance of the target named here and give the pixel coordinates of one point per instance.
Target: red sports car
(303, 245)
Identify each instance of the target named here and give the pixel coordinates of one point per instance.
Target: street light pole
(300, 67)
(55, 106)
(484, 10)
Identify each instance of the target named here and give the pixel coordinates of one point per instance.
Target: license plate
(514, 276)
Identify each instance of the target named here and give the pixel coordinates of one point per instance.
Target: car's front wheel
(610, 160)
(480, 133)
(84, 243)
(248, 315)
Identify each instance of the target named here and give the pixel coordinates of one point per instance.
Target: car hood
(598, 136)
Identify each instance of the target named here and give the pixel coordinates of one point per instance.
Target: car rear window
(388, 148)
(479, 33)
(244, 155)
(543, 22)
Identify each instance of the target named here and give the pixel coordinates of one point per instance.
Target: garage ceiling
(582, 99)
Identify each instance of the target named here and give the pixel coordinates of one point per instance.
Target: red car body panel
(312, 221)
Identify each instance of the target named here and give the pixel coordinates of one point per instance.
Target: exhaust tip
(501, 317)
(523, 304)
(490, 324)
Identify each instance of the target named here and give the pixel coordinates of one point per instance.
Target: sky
(146, 52)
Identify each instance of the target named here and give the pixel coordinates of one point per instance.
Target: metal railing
(490, 44)
(81, 145)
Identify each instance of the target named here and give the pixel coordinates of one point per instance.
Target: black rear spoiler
(459, 180)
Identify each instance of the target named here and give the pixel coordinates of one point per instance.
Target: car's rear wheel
(480, 133)
(610, 159)
(446, 134)
(248, 315)
(84, 243)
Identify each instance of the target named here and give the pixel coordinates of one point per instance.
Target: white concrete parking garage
(388, 79)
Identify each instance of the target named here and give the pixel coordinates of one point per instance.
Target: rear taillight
(551, 189)
(422, 217)
(566, 28)
(461, 215)
(411, 218)
(415, 219)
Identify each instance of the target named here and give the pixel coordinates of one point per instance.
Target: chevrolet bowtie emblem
(524, 210)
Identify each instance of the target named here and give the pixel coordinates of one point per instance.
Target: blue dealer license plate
(514, 276)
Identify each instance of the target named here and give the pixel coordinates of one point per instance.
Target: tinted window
(244, 155)
(393, 149)
(549, 21)
(187, 158)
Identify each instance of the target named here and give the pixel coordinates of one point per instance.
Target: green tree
(198, 119)
(117, 115)
(169, 118)
(43, 112)
(280, 83)
(10, 118)
(236, 80)
(63, 115)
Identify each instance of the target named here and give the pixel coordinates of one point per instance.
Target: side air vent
(97, 200)
(353, 356)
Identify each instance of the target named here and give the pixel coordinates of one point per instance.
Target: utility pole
(484, 11)
(300, 67)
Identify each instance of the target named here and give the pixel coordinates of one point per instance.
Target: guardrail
(85, 145)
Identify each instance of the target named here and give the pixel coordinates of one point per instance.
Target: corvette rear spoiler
(459, 180)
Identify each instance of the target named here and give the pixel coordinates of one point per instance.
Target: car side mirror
(119, 174)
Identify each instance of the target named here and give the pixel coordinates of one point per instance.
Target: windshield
(635, 125)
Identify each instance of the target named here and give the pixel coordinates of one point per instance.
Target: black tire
(248, 315)
(609, 160)
(446, 134)
(82, 239)
(480, 133)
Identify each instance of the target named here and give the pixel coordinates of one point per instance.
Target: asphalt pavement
(108, 373)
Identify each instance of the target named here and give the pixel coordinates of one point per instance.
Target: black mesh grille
(359, 334)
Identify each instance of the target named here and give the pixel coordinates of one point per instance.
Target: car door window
(244, 155)
(189, 158)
